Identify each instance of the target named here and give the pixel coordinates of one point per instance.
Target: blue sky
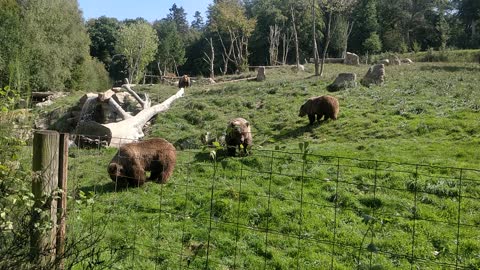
(150, 10)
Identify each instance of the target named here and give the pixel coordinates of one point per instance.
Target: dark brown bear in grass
(132, 160)
(320, 106)
(239, 135)
(184, 82)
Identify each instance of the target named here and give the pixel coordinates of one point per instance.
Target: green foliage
(373, 43)
(8, 98)
(9, 47)
(51, 30)
(103, 34)
(138, 42)
(171, 48)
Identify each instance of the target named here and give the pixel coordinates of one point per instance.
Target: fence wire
(277, 210)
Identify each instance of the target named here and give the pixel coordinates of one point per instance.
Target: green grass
(358, 200)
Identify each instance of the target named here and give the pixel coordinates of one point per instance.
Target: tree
(171, 49)
(330, 9)
(178, 15)
(373, 43)
(228, 19)
(138, 42)
(10, 25)
(197, 23)
(57, 43)
(469, 14)
(103, 34)
(366, 23)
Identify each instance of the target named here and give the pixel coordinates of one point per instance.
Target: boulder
(261, 74)
(300, 68)
(352, 59)
(343, 81)
(375, 75)
(385, 62)
(407, 61)
(395, 61)
(92, 134)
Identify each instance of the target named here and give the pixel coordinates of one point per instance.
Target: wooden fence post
(62, 201)
(45, 181)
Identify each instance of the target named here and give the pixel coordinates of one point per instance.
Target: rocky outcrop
(352, 59)
(375, 75)
(343, 81)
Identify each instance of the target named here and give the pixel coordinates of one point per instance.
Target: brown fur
(320, 106)
(238, 134)
(184, 82)
(129, 164)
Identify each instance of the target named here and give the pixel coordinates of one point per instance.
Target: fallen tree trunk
(90, 133)
(130, 129)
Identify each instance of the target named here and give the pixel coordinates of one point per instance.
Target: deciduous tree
(138, 42)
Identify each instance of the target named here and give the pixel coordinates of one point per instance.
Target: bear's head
(117, 172)
(304, 108)
(236, 130)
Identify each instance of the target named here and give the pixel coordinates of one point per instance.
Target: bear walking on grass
(320, 106)
(132, 160)
(238, 135)
(184, 82)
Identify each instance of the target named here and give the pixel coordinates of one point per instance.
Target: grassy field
(394, 183)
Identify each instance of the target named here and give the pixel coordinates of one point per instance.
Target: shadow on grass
(100, 189)
(299, 131)
(450, 68)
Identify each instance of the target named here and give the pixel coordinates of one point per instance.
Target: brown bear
(132, 160)
(321, 106)
(184, 82)
(239, 135)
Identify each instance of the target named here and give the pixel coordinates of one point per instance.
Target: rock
(343, 81)
(352, 59)
(385, 62)
(105, 95)
(407, 61)
(395, 61)
(261, 74)
(300, 68)
(375, 75)
(92, 134)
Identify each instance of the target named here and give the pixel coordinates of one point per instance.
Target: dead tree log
(90, 133)
(145, 103)
(130, 129)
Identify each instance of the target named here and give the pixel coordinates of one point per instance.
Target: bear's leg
(231, 149)
(311, 117)
(156, 169)
(319, 116)
(138, 178)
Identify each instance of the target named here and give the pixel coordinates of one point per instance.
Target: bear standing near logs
(321, 106)
(239, 135)
(132, 160)
(184, 82)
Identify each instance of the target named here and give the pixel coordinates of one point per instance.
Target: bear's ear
(247, 124)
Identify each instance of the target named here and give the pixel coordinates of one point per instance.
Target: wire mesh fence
(276, 210)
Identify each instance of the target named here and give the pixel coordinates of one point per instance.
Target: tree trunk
(347, 36)
(315, 49)
(210, 59)
(297, 56)
(327, 41)
(130, 129)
